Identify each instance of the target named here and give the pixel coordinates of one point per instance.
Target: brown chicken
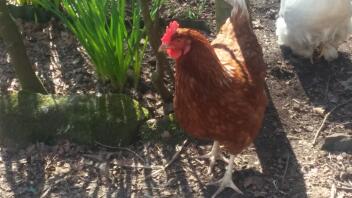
(219, 87)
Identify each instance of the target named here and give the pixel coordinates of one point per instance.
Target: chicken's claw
(226, 181)
(214, 155)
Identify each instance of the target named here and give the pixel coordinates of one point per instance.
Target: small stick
(176, 154)
(333, 191)
(348, 185)
(278, 189)
(286, 166)
(327, 89)
(344, 188)
(123, 165)
(170, 162)
(121, 148)
(325, 118)
(138, 166)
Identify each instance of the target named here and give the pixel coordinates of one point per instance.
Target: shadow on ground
(325, 84)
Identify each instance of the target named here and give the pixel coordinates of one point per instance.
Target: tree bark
(154, 34)
(16, 49)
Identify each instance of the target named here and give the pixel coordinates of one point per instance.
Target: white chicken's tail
(240, 12)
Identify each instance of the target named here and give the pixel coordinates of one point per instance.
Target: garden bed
(281, 163)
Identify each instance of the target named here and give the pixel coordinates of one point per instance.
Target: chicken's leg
(226, 181)
(214, 155)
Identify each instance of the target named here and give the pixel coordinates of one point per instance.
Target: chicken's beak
(163, 47)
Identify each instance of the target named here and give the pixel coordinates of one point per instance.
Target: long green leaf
(100, 26)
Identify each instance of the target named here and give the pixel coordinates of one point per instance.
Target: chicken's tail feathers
(240, 12)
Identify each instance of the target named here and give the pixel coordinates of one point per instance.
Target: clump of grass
(112, 41)
(156, 5)
(195, 13)
(190, 12)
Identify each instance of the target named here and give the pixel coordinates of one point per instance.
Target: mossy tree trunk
(109, 119)
(16, 49)
(154, 34)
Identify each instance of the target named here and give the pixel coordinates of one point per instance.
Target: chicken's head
(175, 44)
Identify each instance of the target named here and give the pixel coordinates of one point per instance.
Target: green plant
(23, 2)
(156, 5)
(112, 40)
(195, 12)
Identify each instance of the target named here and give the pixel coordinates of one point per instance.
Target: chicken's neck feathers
(202, 66)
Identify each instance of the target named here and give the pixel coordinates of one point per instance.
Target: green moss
(110, 119)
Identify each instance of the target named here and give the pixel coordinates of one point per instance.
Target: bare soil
(281, 163)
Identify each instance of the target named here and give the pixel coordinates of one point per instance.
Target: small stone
(319, 110)
(339, 158)
(258, 194)
(310, 128)
(338, 142)
(75, 61)
(166, 135)
(167, 193)
(151, 121)
(296, 106)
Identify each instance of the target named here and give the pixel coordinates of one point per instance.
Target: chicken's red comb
(170, 30)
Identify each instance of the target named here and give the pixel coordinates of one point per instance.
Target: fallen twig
(176, 154)
(174, 157)
(346, 185)
(123, 165)
(278, 189)
(138, 166)
(121, 148)
(286, 166)
(325, 118)
(344, 188)
(51, 187)
(327, 89)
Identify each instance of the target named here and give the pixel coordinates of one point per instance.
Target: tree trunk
(154, 34)
(16, 49)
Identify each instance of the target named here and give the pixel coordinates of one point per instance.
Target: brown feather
(219, 92)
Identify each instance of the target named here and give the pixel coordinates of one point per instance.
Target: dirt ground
(281, 162)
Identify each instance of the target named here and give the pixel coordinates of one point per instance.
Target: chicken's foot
(329, 52)
(214, 155)
(226, 181)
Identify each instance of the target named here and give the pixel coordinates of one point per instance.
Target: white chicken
(309, 25)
